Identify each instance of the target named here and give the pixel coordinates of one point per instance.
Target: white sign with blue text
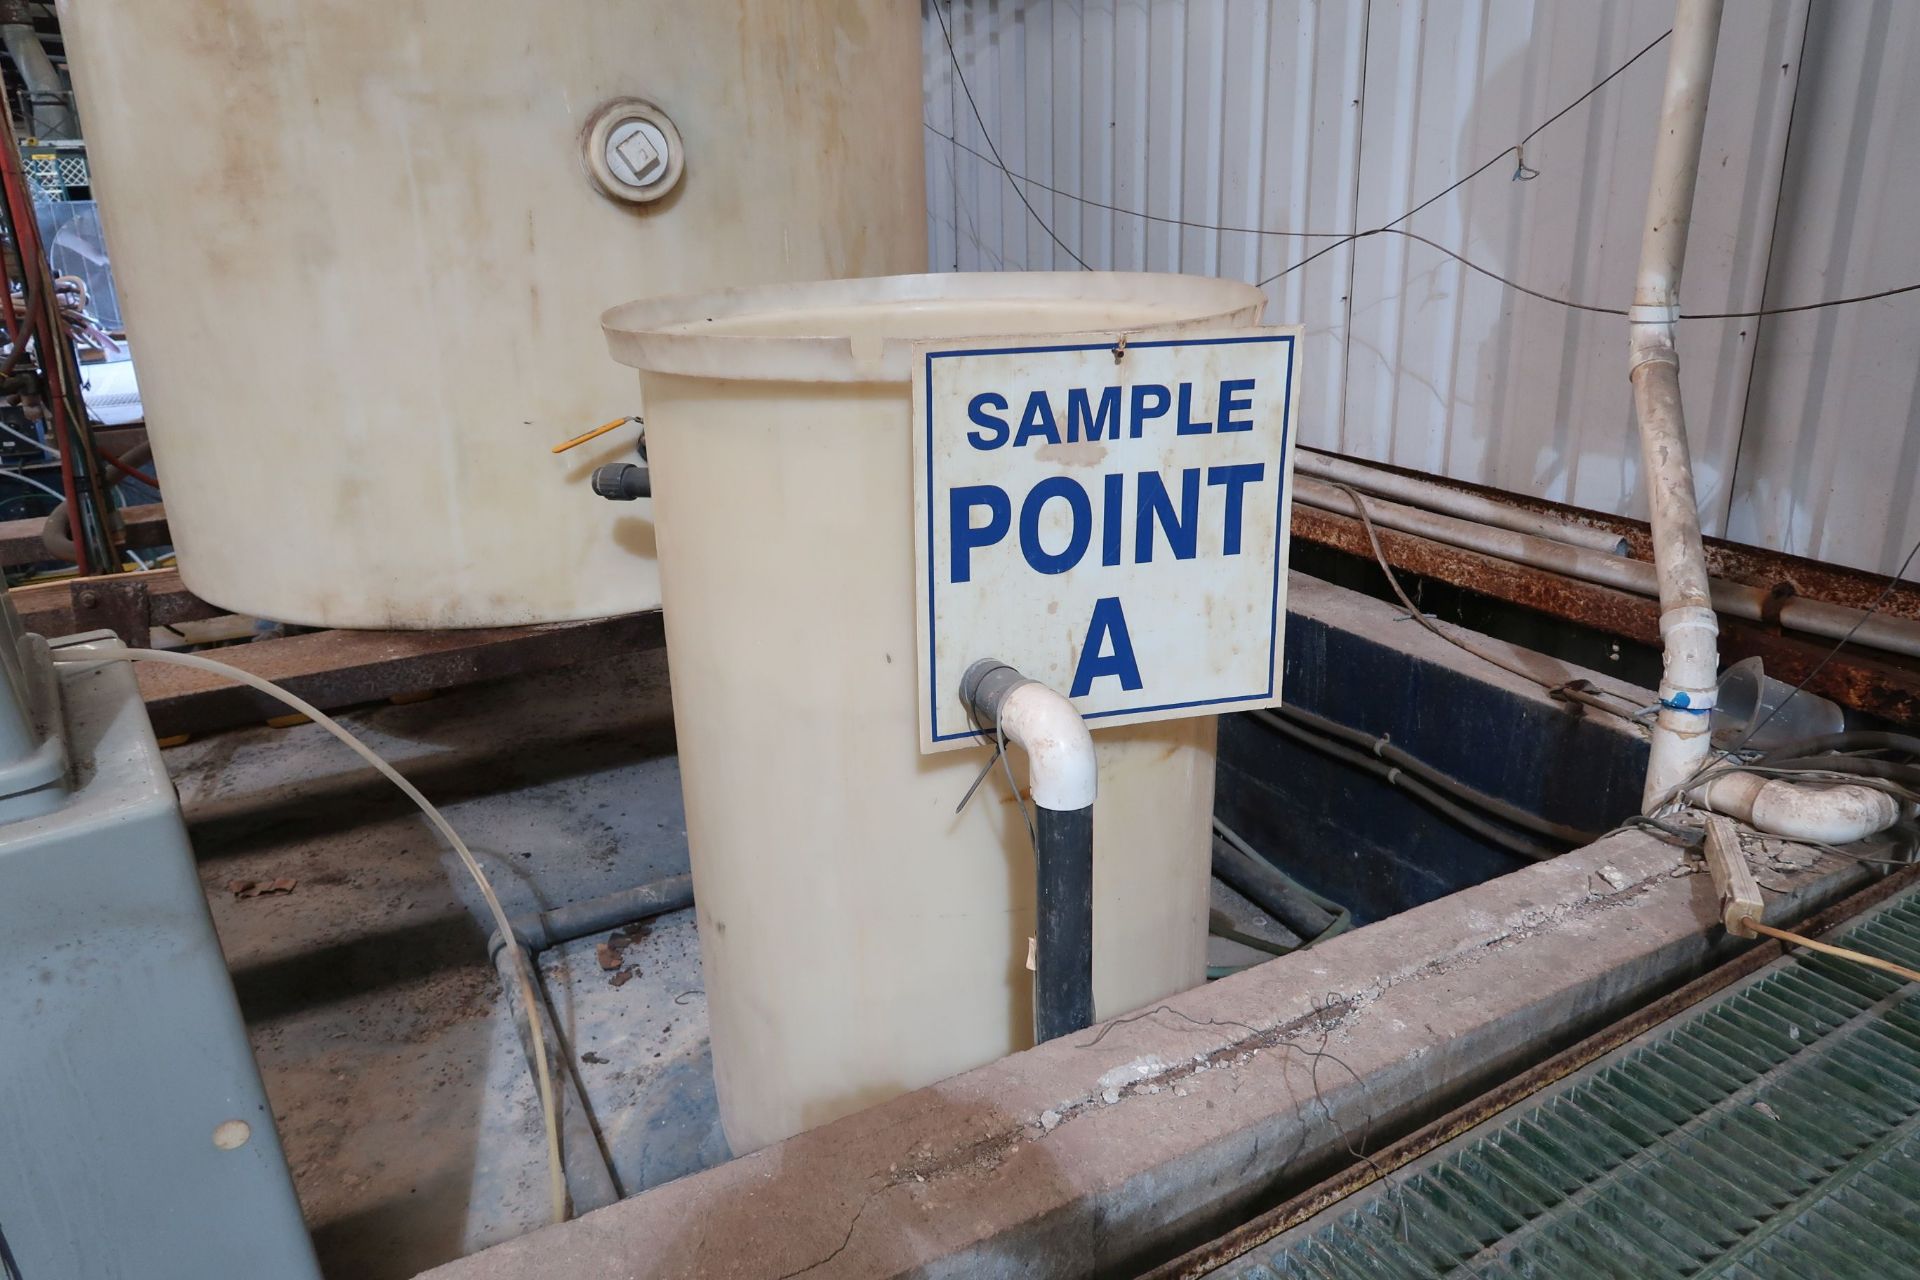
(1111, 518)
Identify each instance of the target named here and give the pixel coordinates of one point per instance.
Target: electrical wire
(1478, 651)
(24, 438)
(23, 478)
(1338, 238)
(1384, 749)
(85, 654)
(986, 137)
(1518, 845)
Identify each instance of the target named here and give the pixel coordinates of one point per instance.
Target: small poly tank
(361, 248)
(858, 937)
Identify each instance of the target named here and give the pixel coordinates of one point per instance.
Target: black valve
(622, 482)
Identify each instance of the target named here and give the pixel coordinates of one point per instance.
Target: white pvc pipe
(1060, 767)
(1690, 661)
(1832, 621)
(1455, 502)
(1838, 814)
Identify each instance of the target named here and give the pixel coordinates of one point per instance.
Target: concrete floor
(399, 1087)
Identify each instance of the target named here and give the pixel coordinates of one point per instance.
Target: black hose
(1384, 749)
(1267, 887)
(1396, 775)
(1063, 928)
(1847, 740)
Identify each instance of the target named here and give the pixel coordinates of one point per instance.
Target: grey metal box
(135, 1137)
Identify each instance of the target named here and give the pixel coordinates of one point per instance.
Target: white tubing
(78, 654)
(1456, 502)
(1059, 749)
(1690, 662)
(1838, 814)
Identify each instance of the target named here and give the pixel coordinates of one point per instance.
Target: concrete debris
(1766, 1111)
(1613, 876)
(1049, 1121)
(1110, 1096)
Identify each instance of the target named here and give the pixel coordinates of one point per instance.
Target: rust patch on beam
(142, 526)
(1617, 613)
(1735, 561)
(1879, 684)
(333, 669)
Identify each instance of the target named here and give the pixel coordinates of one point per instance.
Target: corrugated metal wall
(1248, 137)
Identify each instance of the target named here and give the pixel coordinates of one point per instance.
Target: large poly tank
(857, 937)
(361, 256)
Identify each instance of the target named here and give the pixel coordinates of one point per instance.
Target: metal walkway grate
(1772, 1131)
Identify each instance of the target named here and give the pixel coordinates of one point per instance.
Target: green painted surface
(1772, 1131)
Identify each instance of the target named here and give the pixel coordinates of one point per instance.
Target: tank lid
(864, 330)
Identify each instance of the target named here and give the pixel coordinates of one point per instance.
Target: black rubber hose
(1384, 749)
(1262, 884)
(1513, 843)
(1848, 740)
(1063, 928)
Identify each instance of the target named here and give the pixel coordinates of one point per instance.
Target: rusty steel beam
(333, 669)
(128, 604)
(143, 526)
(1884, 686)
(1737, 562)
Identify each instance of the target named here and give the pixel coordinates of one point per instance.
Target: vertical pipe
(1063, 922)
(1688, 628)
(1060, 766)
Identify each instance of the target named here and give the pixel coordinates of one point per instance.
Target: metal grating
(1773, 1131)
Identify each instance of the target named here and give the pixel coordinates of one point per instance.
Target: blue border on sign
(1280, 539)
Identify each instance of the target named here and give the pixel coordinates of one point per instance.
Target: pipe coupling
(1060, 761)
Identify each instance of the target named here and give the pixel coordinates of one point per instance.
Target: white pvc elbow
(1059, 749)
(1838, 814)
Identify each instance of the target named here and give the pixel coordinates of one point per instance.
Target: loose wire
(26, 479)
(1406, 601)
(1018, 180)
(86, 654)
(965, 88)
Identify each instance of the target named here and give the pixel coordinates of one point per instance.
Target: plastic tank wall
(362, 267)
(859, 937)
(1319, 119)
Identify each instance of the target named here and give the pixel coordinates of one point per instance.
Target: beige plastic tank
(858, 938)
(361, 254)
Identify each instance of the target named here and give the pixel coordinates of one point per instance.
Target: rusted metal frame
(141, 526)
(1882, 686)
(1291, 1213)
(1619, 613)
(129, 604)
(1738, 562)
(333, 669)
